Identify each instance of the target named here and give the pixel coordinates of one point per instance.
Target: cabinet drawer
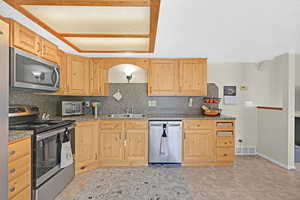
(139, 124)
(198, 124)
(225, 139)
(111, 125)
(225, 125)
(17, 185)
(24, 195)
(225, 154)
(19, 149)
(18, 167)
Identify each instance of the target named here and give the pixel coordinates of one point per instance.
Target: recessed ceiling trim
(154, 6)
(86, 2)
(105, 35)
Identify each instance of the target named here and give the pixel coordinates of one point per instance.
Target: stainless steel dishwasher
(165, 142)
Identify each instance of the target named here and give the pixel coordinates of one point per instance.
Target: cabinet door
(78, 75)
(62, 62)
(96, 77)
(26, 40)
(86, 145)
(111, 146)
(136, 146)
(49, 51)
(199, 146)
(163, 78)
(193, 77)
(104, 82)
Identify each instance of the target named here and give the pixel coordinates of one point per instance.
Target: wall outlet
(190, 104)
(154, 103)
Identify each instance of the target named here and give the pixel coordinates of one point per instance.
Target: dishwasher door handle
(173, 125)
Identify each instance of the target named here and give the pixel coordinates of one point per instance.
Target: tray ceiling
(97, 26)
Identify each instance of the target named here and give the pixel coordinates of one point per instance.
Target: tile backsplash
(134, 94)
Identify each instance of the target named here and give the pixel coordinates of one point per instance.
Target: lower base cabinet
(19, 170)
(123, 143)
(208, 142)
(86, 146)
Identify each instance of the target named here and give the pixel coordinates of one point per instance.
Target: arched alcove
(119, 73)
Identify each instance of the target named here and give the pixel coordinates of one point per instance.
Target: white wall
(226, 74)
(222, 31)
(297, 82)
(276, 128)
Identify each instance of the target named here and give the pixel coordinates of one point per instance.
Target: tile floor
(251, 178)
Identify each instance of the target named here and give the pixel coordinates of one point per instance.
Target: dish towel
(66, 156)
(164, 142)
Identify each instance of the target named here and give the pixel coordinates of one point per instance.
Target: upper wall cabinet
(163, 78)
(77, 75)
(192, 77)
(98, 78)
(49, 51)
(177, 77)
(25, 39)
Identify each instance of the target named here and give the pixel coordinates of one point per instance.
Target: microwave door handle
(57, 77)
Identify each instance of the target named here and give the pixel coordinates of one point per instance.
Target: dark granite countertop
(17, 135)
(148, 117)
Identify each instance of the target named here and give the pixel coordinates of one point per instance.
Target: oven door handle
(52, 133)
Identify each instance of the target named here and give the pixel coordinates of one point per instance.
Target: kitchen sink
(126, 116)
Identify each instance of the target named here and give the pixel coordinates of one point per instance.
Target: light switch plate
(154, 103)
(149, 103)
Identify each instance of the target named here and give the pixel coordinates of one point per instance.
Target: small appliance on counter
(50, 173)
(211, 106)
(70, 108)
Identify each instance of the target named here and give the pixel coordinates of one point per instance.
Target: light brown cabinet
(163, 78)
(49, 51)
(192, 77)
(19, 170)
(98, 78)
(27, 40)
(122, 143)
(77, 75)
(86, 146)
(177, 77)
(199, 142)
(225, 141)
(208, 142)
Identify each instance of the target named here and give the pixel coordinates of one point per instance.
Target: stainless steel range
(48, 178)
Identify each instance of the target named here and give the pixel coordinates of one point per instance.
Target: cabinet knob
(83, 167)
(12, 153)
(13, 170)
(12, 189)
(225, 154)
(225, 143)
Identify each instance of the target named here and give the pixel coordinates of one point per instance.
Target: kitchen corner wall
(133, 94)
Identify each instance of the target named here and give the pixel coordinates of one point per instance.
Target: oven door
(31, 72)
(46, 154)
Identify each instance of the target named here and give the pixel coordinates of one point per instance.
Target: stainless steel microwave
(69, 108)
(31, 72)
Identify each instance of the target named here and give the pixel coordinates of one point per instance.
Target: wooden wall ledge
(269, 108)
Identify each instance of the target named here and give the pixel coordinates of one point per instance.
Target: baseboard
(275, 162)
